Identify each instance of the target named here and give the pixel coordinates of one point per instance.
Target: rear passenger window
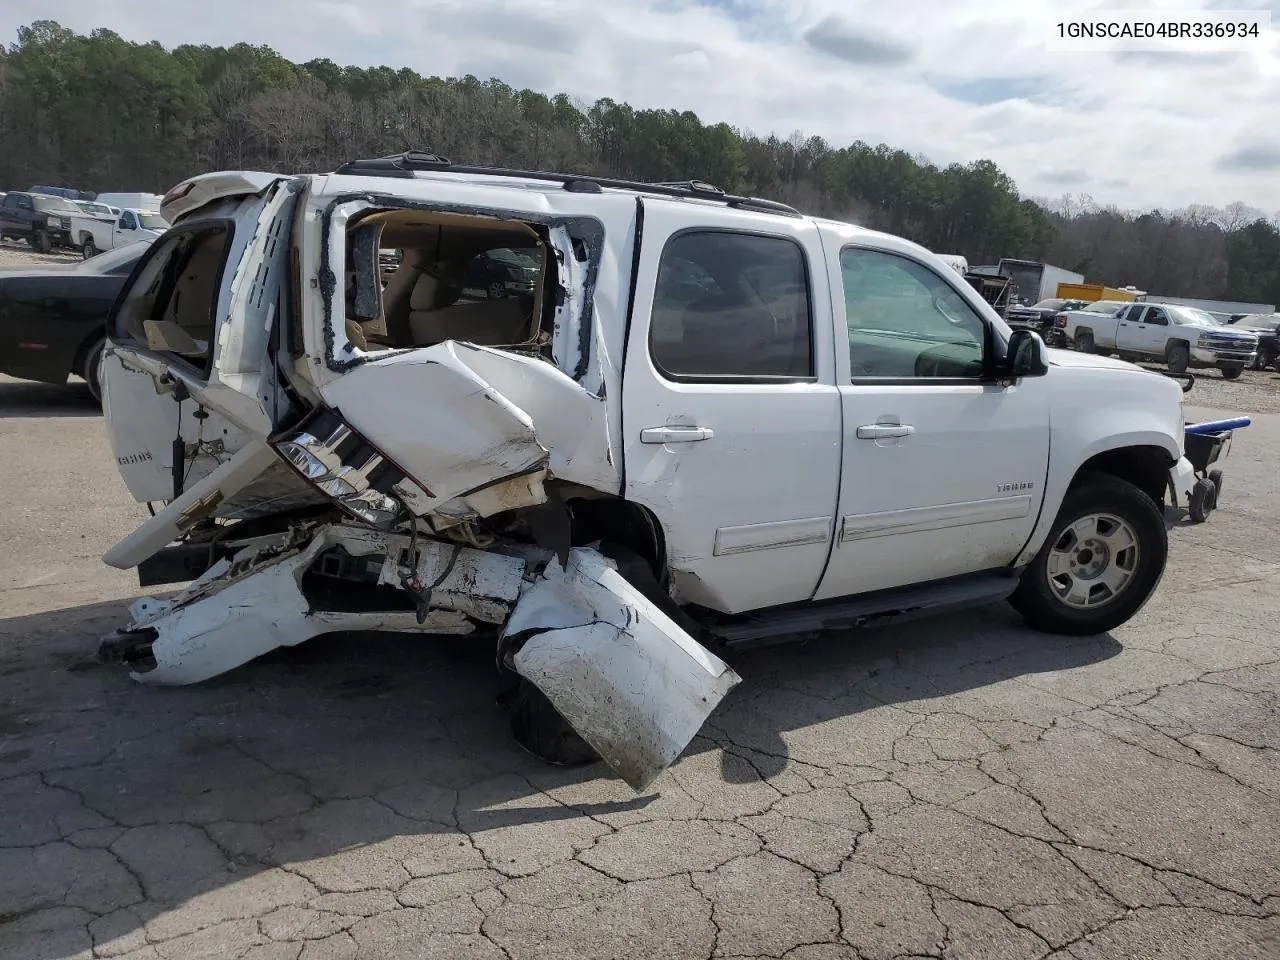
(731, 305)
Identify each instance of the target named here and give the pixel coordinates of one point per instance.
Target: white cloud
(1138, 130)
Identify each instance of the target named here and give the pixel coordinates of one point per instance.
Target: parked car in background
(52, 317)
(43, 221)
(1181, 337)
(1086, 318)
(93, 234)
(1267, 328)
(67, 193)
(502, 273)
(1040, 316)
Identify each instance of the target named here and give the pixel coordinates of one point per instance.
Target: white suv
(712, 421)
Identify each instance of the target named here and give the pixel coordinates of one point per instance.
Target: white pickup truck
(1179, 336)
(97, 231)
(712, 422)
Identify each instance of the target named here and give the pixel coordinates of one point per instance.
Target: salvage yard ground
(958, 788)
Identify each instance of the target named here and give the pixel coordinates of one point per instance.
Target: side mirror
(1027, 355)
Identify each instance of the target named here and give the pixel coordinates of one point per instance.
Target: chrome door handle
(884, 431)
(675, 434)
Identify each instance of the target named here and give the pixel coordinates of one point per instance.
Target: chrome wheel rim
(1093, 561)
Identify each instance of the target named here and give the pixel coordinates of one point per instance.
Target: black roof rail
(407, 163)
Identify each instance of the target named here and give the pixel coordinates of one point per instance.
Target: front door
(731, 416)
(943, 470)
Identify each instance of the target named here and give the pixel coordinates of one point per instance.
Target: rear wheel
(40, 241)
(89, 249)
(1231, 371)
(1179, 358)
(1100, 564)
(91, 369)
(1084, 343)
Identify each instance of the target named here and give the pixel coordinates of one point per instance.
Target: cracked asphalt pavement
(961, 788)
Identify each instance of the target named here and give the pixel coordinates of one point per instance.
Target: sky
(953, 80)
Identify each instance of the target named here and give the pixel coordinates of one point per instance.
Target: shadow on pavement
(350, 745)
(24, 400)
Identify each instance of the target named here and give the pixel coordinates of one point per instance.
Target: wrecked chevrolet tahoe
(611, 428)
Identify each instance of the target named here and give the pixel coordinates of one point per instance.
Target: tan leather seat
(488, 323)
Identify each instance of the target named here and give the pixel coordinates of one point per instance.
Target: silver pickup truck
(1179, 336)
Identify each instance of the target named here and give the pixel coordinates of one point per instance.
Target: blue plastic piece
(1213, 426)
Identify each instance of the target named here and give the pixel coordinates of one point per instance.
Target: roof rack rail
(407, 163)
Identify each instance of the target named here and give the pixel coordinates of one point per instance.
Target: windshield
(97, 209)
(1198, 318)
(1103, 306)
(152, 221)
(1053, 303)
(54, 205)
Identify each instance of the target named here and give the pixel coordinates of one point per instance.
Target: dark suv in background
(43, 221)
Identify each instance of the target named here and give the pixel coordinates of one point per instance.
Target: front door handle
(675, 434)
(885, 431)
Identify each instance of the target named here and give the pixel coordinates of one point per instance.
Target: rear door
(731, 417)
(188, 376)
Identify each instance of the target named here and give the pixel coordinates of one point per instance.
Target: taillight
(177, 192)
(330, 454)
(1060, 320)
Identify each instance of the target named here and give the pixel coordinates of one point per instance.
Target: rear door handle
(675, 434)
(884, 431)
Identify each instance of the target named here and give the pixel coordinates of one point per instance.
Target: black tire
(1084, 343)
(40, 241)
(88, 249)
(91, 371)
(1179, 358)
(496, 290)
(1231, 371)
(1096, 494)
(1215, 477)
(1264, 359)
(1204, 497)
(538, 728)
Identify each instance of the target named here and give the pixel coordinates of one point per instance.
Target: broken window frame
(571, 304)
(163, 247)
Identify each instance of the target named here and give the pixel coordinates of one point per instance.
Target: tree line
(102, 113)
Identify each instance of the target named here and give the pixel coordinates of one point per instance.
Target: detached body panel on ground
(684, 419)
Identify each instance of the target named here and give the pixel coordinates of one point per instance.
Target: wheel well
(1147, 468)
(622, 522)
(82, 351)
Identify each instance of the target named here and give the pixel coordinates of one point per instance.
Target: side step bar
(872, 609)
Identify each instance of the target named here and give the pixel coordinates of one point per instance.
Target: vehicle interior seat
(435, 316)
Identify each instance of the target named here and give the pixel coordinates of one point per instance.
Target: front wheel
(1231, 371)
(1099, 565)
(41, 242)
(1179, 358)
(496, 290)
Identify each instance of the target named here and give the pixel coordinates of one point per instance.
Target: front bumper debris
(630, 681)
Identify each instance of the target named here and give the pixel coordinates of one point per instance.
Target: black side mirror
(1027, 355)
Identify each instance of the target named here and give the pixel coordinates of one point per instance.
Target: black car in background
(1039, 316)
(53, 317)
(43, 221)
(1267, 327)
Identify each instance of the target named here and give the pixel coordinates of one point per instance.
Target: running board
(872, 609)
